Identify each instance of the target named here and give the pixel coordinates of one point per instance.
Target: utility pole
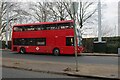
(74, 11)
(118, 34)
(99, 22)
(7, 25)
(99, 46)
(20, 13)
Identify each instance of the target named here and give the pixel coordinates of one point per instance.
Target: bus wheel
(56, 52)
(22, 50)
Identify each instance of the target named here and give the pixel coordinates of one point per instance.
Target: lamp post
(99, 21)
(7, 25)
(74, 11)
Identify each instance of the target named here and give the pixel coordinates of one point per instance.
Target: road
(67, 59)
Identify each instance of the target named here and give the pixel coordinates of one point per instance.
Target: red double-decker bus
(45, 37)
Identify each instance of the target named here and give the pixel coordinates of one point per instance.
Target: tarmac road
(69, 59)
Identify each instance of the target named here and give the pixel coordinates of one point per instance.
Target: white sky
(109, 14)
(58, 0)
(109, 19)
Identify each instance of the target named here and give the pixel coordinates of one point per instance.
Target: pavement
(99, 71)
(100, 54)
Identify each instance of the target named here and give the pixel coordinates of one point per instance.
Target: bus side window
(23, 29)
(35, 28)
(20, 29)
(17, 29)
(40, 41)
(69, 41)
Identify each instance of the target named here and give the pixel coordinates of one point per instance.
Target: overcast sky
(109, 14)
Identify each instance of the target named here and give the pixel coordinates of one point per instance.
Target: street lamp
(7, 25)
(74, 9)
(99, 21)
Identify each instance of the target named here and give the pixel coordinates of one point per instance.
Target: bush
(3, 44)
(112, 44)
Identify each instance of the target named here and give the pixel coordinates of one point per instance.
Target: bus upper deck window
(15, 28)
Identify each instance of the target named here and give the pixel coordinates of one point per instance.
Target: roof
(45, 23)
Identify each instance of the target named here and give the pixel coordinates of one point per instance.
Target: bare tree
(84, 13)
(16, 15)
(59, 11)
(40, 11)
(21, 15)
(62, 11)
(49, 11)
(3, 19)
(68, 9)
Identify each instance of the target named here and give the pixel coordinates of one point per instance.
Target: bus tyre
(22, 50)
(56, 52)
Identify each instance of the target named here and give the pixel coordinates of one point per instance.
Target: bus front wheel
(22, 50)
(56, 52)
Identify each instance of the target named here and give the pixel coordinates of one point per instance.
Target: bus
(45, 37)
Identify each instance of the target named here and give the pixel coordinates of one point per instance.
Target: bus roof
(45, 23)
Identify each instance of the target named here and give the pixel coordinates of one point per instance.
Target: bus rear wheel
(56, 52)
(22, 50)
